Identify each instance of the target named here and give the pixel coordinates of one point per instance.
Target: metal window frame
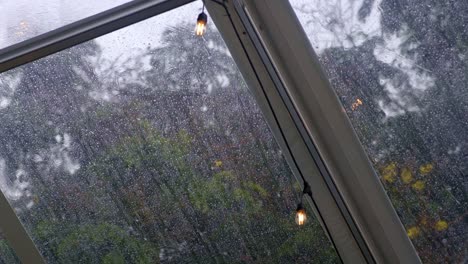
(275, 57)
(16, 234)
(84, 30)
(270, 34)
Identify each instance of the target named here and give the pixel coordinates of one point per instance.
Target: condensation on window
(400, 69)
(145, 146)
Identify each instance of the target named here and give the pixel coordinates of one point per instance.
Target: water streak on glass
(145, 146)
(400, 69)
(24, 19)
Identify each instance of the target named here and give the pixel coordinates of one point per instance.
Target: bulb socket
(202, 18)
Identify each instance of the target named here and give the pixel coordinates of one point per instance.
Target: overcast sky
(23, 19)
(328, 23)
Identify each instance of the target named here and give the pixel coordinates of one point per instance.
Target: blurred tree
(173, 164)
(400, 69)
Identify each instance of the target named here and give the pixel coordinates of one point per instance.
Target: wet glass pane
(145, 146)
(24, 19)
(7, 255)
(400, 69)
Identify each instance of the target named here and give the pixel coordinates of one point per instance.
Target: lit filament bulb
(202, 19)
(301, 216)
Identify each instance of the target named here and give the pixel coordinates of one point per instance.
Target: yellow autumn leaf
(426, 168)
(406, 175)
(218, 163)
(413, 232)
(419, 185)
(389, 172)
(441, 225)
(356, 104)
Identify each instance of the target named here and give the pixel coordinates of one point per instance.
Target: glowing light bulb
(200, 28)
(301, 216)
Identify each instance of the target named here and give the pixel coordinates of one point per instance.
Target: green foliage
(158, 180)
(304, 239)
(223, 191)
(7, 254)
(114, 258)
(101, 243)
(226, 205)
(215, 191)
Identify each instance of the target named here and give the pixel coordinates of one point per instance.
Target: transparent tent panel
(24, 19)
(401, 73)
(145, 146)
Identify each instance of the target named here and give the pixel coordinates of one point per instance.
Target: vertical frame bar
(263, 81)
(353, 184)
(16, 235)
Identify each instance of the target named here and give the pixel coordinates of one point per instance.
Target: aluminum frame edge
(262, 85)
(16, 235)
(331, 131)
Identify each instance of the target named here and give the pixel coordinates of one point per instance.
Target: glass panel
(24, 19)
(400, 69)
(7, 255)
(145, 146)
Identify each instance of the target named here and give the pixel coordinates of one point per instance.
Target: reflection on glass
(145, 146)
(24, 19)
(7, 255)
(401, 72)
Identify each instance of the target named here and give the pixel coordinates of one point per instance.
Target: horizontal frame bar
(83, 30)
